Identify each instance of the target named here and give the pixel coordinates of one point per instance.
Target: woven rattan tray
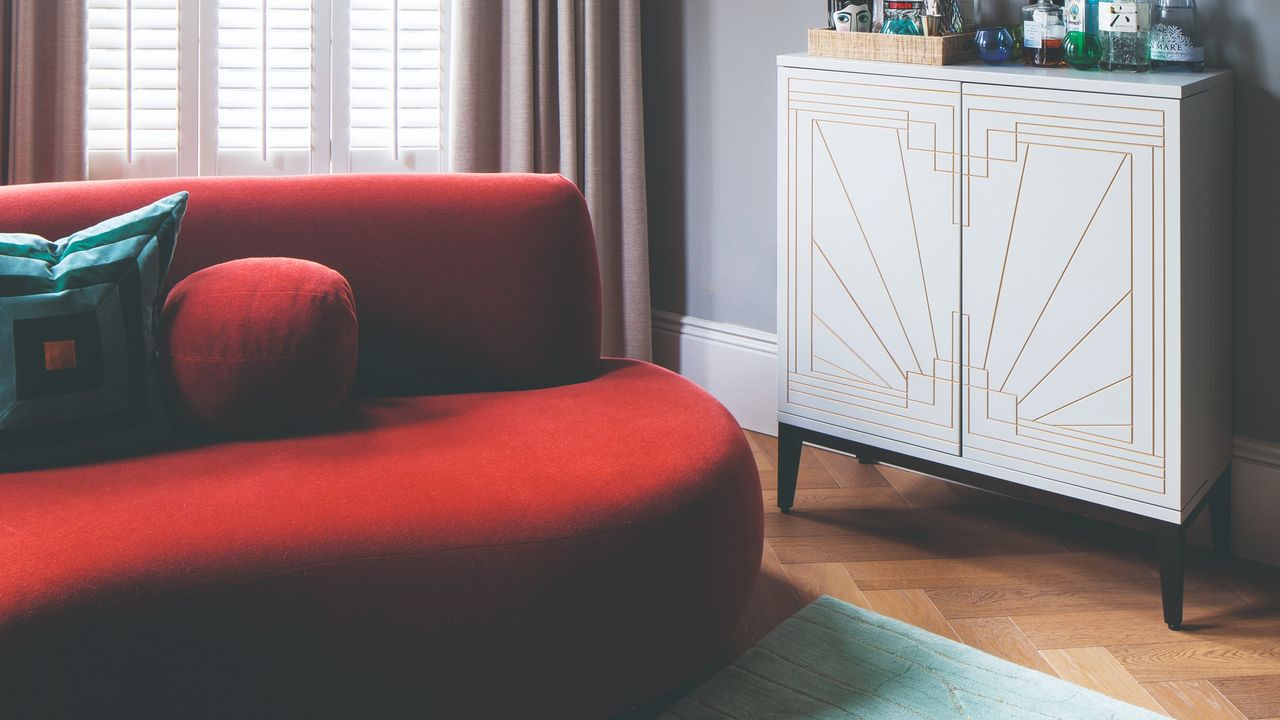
(939, 50)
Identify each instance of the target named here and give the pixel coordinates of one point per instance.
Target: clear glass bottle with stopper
(1043, 33)
(1176, 42)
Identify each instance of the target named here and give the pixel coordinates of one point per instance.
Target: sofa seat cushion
(259, 345)
(601, 536)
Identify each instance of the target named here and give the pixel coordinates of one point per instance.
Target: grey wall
(709, 84)
(709, 74)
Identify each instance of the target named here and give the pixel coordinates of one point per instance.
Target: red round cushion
(259, 345)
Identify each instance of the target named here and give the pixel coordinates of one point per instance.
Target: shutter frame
(180, 113)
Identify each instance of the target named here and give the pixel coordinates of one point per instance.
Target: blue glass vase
(995, 44)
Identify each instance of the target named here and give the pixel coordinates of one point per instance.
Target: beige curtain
(554, 86)
(44, 70)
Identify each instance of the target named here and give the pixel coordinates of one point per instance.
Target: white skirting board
(738, 366)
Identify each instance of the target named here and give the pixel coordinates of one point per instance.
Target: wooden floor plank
(812, 472)
(775, 599)
(813, 580)
(1064, 569)
(1014, 600)
(906, 534)
(1256, 583)
(830, 511)
(849, 473)
(809, 477)
(1257, 696)
(1095, 668)
(1193, 700)
(925, 492)
(1160, 662)
(764, 449)
(1231, 624)
(1000, 637)
(841, 498)
(910, 606)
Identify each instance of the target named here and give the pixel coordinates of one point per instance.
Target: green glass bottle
(1082, 46)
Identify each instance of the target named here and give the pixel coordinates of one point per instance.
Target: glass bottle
(959, 16)
(1082, 47)
(1176, 42)
(1043, 33)
(1091, 17)
(1124, 29)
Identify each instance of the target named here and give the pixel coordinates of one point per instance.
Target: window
(235, 87)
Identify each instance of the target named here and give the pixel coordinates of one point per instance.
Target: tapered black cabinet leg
(1220, 514)
(789, 444)
(1170, 541)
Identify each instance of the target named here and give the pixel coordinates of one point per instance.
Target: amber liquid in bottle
(1043, 35)
(1051, 53)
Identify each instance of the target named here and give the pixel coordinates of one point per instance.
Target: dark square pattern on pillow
(78, 324)
(57, 355)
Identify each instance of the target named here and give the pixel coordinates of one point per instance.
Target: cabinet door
(1065, 282)
(869, 251)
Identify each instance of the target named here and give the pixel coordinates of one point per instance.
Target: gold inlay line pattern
(1078, 343)
(1108, 386)
(1049, 300)
(874, 261)
(1004, 265)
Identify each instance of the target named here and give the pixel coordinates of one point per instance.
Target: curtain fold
(43, 90)
(555, 86)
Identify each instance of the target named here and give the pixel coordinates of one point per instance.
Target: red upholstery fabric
(563, 552)
(560, 552)
(259, 345)
(465, 282)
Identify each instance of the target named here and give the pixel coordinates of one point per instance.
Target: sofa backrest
(462, 282)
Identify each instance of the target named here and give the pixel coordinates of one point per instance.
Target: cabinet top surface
(1174, 85)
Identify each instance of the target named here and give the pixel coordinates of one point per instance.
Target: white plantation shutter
(219, 87)
(387, 62)
(261, 109)
(135, 124)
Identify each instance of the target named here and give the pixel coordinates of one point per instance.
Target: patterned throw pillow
(78, 325)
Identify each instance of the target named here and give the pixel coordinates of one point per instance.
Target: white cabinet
(1016, 274)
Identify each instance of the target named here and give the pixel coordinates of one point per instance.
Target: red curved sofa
(502, 522)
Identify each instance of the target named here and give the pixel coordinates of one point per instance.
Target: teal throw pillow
(78, 324)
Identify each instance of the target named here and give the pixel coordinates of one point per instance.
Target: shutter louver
(133, 120)
(392, 74)
(264, 80)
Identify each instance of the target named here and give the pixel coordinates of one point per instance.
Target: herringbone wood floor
(1062, 595)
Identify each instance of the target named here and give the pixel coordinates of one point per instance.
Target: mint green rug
(836, 660)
